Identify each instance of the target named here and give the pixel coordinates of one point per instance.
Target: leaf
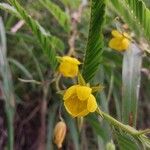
(48, 42)
(126, 142)
(145, 141)
(128, 137)
(95, 40)
(62, 17)
(50, 127)
(126, 15)
(141, 14)
(98, 127)
(9, 8)
(73, 131)
(135, 13)
(8, 89)
(4, 68)
(131, 83)
(36, 62)
(117, 103)
(73, 4)
(21, 67)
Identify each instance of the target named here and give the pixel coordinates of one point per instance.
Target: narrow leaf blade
(95, 40)
(131, 83)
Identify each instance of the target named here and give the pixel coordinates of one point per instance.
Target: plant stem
(118, 124)
(10, 128)
(43, 112)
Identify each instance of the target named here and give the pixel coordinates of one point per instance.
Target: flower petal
(115, 43)
(125, 43)
(83, 92)
(74, 106)
(69, 92)
(83, 113)
(73, 71)
(63, 68)
(92, 104)
(71, 60)
(116, 33)
(68, 69)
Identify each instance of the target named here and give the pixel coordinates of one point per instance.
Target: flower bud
(59, 133)
(110, 146)
(120, 41)
(69, 66)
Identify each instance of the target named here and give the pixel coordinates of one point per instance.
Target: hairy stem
(116, 123)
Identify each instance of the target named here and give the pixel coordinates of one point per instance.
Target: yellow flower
(120, 41)
(59, 133)
(68, 66)
(79, 101)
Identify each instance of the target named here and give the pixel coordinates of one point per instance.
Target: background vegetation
(29, 82)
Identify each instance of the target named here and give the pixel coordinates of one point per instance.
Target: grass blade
(7, 86)
(62, 17)
(131, 83)
(48, 42)
(50, 127)
(21, 67)
(73, 131)
(135, 13)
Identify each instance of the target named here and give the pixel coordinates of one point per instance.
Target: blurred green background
(27, 61)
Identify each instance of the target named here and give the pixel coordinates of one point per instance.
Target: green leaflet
(126, 15)
(48, 42)
(62, 17)
(72, 4)
(135, 13)
(129, 142)
(131, 83)
(141, 14)
(95, 40)
(126, 142)
(9, 8)
(145, 141)
(20, 67)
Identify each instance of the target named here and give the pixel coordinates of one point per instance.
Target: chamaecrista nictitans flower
(79, 101)
(120, 41)
(69, 66)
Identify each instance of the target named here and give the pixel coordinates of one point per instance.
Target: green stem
(10, 116)
(118, 124)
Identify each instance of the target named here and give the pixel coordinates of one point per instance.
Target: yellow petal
(115, 43)
(125, 43)
(68, 69)
(71, 60)
(73, 71)
(63, 68)
(83, 113)
(92, 104)
(116, 33)
(70, 91)
(83, 92)
(74, 106)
